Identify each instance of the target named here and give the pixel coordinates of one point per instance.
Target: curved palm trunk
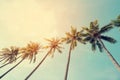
(10, 69)
(68, 62)
(38, 65)
(8, 63)
(110, 56)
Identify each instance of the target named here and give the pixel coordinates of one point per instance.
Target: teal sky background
(22, 21)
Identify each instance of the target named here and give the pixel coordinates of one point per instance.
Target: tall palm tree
(29, 52)
(94, 35)
(54, 44)
(71, 38)
(9, 55)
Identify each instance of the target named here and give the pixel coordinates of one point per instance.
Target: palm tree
(29, 52)
(9, 55)
(54, 44)
(71, 38)
(94, 35)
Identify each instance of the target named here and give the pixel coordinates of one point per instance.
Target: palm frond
(94, 25)
(73, 30)
(93, 46)
(34, 60)
(81, 40)
(68, 34)
(48, 40)
(84, 34)
(92, 40)
(108, 39)
(59, 50)
(91, 25)
(85, 29)
(99, 46)
(95, 22)
(106, 28)
(88, 38)
(68, 41)
(75, 43)
(116, 22)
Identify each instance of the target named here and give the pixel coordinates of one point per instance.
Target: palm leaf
(93, 46)
(68, 41)
(91, 25)
(116, 22)
(34, 60)
(108, 39)
(94, 25)
(106, 28)
(99, 46)
(75, 43)
(63, 39)
(58, 49)
(92, 40)
(88, 38)
(85, 29)
(73, 30)
(68, 34)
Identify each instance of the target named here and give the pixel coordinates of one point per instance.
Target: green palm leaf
(88, 38)
(108, 39)
(106, 28)
(99, 46)
(93, 46)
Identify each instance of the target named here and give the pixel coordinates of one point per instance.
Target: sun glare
(30, 21)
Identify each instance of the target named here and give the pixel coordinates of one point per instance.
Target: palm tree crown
(30, 51)
(54, 44)
(94, 33)
(9, 55)
(73, 37)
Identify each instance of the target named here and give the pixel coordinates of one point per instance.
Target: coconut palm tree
(29, 52)
(71, 38)
(94, 35)
(9, 55)
(54, 44)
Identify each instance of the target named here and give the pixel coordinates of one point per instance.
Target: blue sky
(22, 21)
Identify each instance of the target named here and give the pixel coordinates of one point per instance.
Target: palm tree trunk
(38, 65)
(8, 63)
(110, 56)
(10, 69)
(68, 62)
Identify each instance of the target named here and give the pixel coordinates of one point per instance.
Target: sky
(22, 21)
